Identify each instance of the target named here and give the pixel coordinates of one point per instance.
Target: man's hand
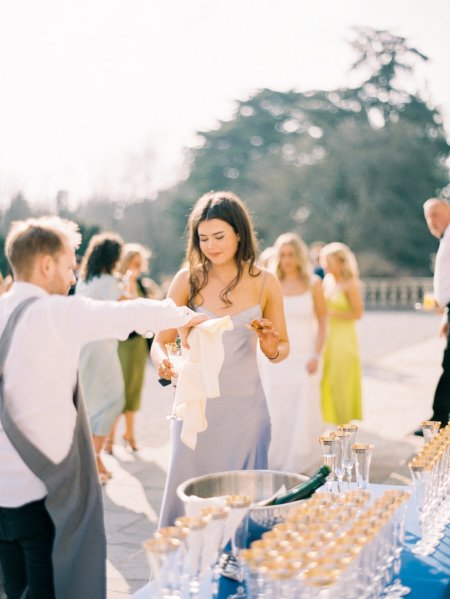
(184, 331)
(443, 329)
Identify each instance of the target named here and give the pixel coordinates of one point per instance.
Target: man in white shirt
(437, 215)
(52, 542)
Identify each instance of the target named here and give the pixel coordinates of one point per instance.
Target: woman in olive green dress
(133, 352)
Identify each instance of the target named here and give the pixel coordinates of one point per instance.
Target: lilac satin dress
(238, 433)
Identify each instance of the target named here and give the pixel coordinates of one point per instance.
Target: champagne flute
(350, 459)
(328, 447)
(195, 542)
(343, 448)
(430, 428)
(237, 531)
(396, 588)
(162, 555)
(363, 457)
(174, 354)
(215, 541)
(179, 557)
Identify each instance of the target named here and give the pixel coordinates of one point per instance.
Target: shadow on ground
(132, 503)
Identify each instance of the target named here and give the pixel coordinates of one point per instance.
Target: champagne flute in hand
(174, 355)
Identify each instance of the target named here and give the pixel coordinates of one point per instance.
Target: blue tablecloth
(428, 577)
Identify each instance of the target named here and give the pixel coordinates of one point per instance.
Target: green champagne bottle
(303, 490)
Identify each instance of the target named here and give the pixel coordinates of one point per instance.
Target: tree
(18, 209)
(319, 162)
(386, 57)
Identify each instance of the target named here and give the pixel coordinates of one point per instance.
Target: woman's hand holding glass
(166, 370)
(173, 362)
(170, 368)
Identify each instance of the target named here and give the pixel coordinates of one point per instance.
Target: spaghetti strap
(262, 286)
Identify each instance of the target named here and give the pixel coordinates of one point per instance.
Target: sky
(101, 96)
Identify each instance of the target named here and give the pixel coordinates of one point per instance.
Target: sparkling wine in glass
(363, 456)
(174, 355)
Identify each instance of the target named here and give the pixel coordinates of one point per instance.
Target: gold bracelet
(275, 356)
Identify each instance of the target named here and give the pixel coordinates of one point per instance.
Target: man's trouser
(26, 541)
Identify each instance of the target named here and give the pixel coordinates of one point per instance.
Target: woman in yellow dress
(341, 381)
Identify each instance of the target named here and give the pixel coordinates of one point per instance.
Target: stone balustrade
(395, 293)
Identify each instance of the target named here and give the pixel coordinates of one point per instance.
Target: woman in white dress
(293, 386)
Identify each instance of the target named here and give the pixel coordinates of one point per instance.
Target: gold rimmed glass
(215, 541)
(343, 455)
(328, 448)
(352, 429)
(430, 428)
(363, 457)
(174, 355)
(237, 532)
(195, 543)
(162, 554)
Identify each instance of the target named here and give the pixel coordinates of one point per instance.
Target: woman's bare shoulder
(181, 277)
(265, 274)
(269, 282)
(180, 286)
(351, 285)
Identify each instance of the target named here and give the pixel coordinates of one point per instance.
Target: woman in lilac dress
(222, 279)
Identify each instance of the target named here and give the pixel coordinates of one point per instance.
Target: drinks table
(428, 577)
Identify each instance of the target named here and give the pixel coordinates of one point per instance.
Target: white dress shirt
(41, 370)
(441, 280)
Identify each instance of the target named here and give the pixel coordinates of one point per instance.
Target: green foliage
(353, 165)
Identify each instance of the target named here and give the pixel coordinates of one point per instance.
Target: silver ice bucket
(258, 484)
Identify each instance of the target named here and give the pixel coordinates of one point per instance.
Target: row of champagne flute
(180, 555)
(332, 546)
(341, 453)
(430, 471)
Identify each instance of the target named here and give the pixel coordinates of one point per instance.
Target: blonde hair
(345, 257)
(266, 258)
(27, 239)
(130, 250)
(301, 256)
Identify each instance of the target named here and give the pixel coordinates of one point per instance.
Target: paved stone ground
(401, 356)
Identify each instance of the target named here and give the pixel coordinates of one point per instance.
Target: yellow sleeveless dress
(341, 380)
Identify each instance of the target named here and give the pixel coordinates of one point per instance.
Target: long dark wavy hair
(228, 207)
(102, 255)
